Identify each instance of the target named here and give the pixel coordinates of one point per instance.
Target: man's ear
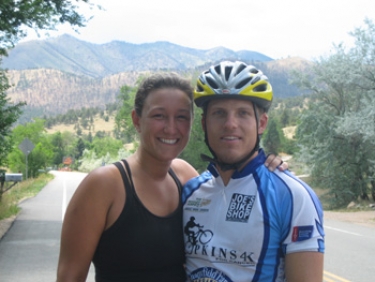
(263, 121)
(135, 119)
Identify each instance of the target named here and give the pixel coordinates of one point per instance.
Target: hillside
(68, 54)
(99, 125)
(58, 74)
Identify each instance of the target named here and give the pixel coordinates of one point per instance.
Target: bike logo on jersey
(196, 233)
(240, 207)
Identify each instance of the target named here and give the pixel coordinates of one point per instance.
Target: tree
(15, 18)
(40, 157)
(18, 16)
(336, 132)
(9, 113)
(196, 146)
(273, 137)
(124, 125)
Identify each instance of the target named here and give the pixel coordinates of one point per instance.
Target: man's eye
(158, 116)
(244, 113)
(218, 113)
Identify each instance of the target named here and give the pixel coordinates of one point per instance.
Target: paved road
(350, 251)
(29, 250)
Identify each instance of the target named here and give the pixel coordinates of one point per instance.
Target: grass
(25, 189)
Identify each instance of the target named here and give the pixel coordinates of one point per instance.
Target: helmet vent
(254, 70)
(212, 83)
(260, 88)
(218, 69)
(228, 70)
(255, 80)
(243, 83)
(199, 88)
(240, 68)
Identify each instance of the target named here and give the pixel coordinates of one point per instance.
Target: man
(258, 225)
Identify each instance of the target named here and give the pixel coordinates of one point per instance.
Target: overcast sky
(275, 28)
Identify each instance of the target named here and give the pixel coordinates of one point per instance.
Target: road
(29, 250)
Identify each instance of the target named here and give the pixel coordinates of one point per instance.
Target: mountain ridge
(58, 74)
(72, 55)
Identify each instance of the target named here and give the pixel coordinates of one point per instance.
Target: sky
(276, 28)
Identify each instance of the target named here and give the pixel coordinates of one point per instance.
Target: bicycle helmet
(235, 80)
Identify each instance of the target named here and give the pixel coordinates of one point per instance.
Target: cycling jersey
(242, 231)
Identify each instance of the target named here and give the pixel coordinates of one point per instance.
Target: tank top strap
(175, 178)
(127, 180)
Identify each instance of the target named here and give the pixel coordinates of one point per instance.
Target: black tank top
(141, 246)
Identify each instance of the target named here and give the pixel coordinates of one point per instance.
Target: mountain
(68, 54)
(58, 74)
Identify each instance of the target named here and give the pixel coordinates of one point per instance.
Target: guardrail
(8, 177)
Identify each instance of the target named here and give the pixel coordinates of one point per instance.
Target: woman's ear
(136, 119)
(263, 121)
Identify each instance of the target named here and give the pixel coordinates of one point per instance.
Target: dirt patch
(366, 218)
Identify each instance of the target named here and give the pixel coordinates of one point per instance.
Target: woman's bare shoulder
(101, 181)
(183, 170)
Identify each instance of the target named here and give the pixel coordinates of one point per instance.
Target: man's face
(231, 128)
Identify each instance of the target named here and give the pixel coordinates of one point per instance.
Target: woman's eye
(183, 117)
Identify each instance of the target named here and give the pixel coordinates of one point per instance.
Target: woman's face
(165, 124)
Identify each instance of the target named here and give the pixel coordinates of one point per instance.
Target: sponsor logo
(197, 204)
(208, 274)
(240, 207)
(301, 233)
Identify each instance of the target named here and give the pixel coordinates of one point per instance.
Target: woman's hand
(273, 162)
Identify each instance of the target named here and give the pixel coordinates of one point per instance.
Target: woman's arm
(84, 222)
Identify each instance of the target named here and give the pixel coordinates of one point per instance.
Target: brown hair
(160, 81)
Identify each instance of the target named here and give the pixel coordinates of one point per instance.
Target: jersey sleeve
(306, 231)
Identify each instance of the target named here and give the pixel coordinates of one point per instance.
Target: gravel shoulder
(366, 218)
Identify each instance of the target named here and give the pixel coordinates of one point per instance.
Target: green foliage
(273, 137)
(9, 113)
(40, 157)
(196, 145)
(17, 16)
(123, 121)
(91, 161)
(336, 132)
(24, 189)
(106, 145)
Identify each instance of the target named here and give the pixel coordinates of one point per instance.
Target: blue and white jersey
(242, 231)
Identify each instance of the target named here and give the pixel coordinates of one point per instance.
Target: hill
(58, 74)
(68, 54)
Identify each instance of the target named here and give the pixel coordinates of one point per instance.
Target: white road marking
(343, 231)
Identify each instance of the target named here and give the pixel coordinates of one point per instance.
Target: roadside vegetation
(22, 190)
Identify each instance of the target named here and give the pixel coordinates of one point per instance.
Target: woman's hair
(161, 81)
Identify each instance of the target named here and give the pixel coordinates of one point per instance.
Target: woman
(127, 217)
